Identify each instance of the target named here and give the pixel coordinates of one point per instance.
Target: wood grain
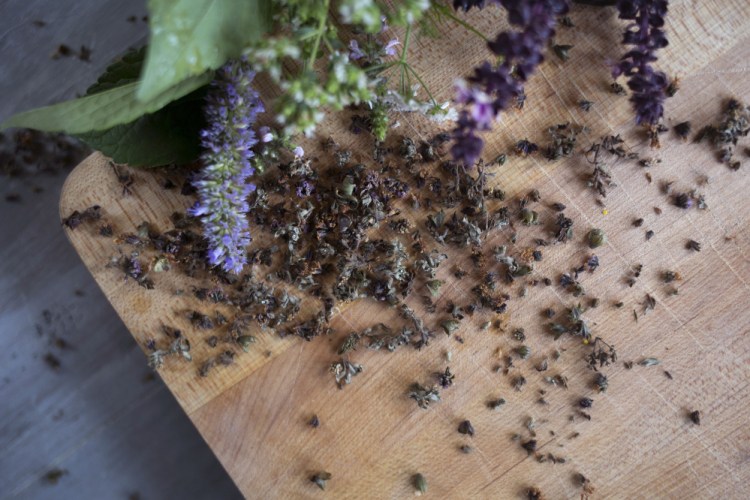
(639, 444)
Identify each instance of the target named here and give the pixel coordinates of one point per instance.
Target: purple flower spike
(231, 109)
(493, 87)
(646, 35)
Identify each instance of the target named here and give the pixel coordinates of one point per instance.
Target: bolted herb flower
(492, 88)
(300, 107)
(645, 35)
(231, 109)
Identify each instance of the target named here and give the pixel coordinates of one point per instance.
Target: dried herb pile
(401, 227)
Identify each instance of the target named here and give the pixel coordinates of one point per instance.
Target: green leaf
(124, 70)
(169, 136)
(102, 110)
(189, 37)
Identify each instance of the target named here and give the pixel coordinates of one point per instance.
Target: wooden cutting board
(372, 438)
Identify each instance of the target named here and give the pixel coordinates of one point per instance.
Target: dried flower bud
(596, 238)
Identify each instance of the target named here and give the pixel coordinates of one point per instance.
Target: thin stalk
(406, 44)
(444, 10)
(318, 35)
(419, 79)
(383, 66)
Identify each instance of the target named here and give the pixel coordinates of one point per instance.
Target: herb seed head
(695, 417)
(320, 479)
(596, 238)
(465, 427)
(420, 483)
(683, 130)
(693, 245)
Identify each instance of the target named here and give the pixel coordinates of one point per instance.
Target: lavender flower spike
(646, 35)
(492, 87)
(231, 108)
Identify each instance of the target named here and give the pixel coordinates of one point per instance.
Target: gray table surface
(111, 428)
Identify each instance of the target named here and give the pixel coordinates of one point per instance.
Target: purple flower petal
(390, 48)
(354, 51)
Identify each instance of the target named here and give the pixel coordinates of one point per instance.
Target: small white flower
(390, 48)
(265, 134)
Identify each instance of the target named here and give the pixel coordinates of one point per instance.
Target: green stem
(419, 79)
(382, 67)
(444, 10)
(402, 60)
(318, 35)
(402, 79)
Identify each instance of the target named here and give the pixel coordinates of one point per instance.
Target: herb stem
(383, 66)
(444, 10)
(402, 60)
(318, 35)
(419, 79)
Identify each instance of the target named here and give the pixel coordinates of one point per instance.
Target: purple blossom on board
(383, 24)
(231, 108)
(646, 35)
(390, 47)
(355, 52)
(492, 88)
(305, 188)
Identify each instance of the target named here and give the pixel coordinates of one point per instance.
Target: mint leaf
(102, 110)
(169, 136)
(124, 70)
(189, 37)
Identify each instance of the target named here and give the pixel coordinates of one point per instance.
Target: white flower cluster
(300, 107)
(363, 12)
(436, 112)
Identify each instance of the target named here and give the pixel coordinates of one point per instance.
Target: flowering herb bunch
(188, 96)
